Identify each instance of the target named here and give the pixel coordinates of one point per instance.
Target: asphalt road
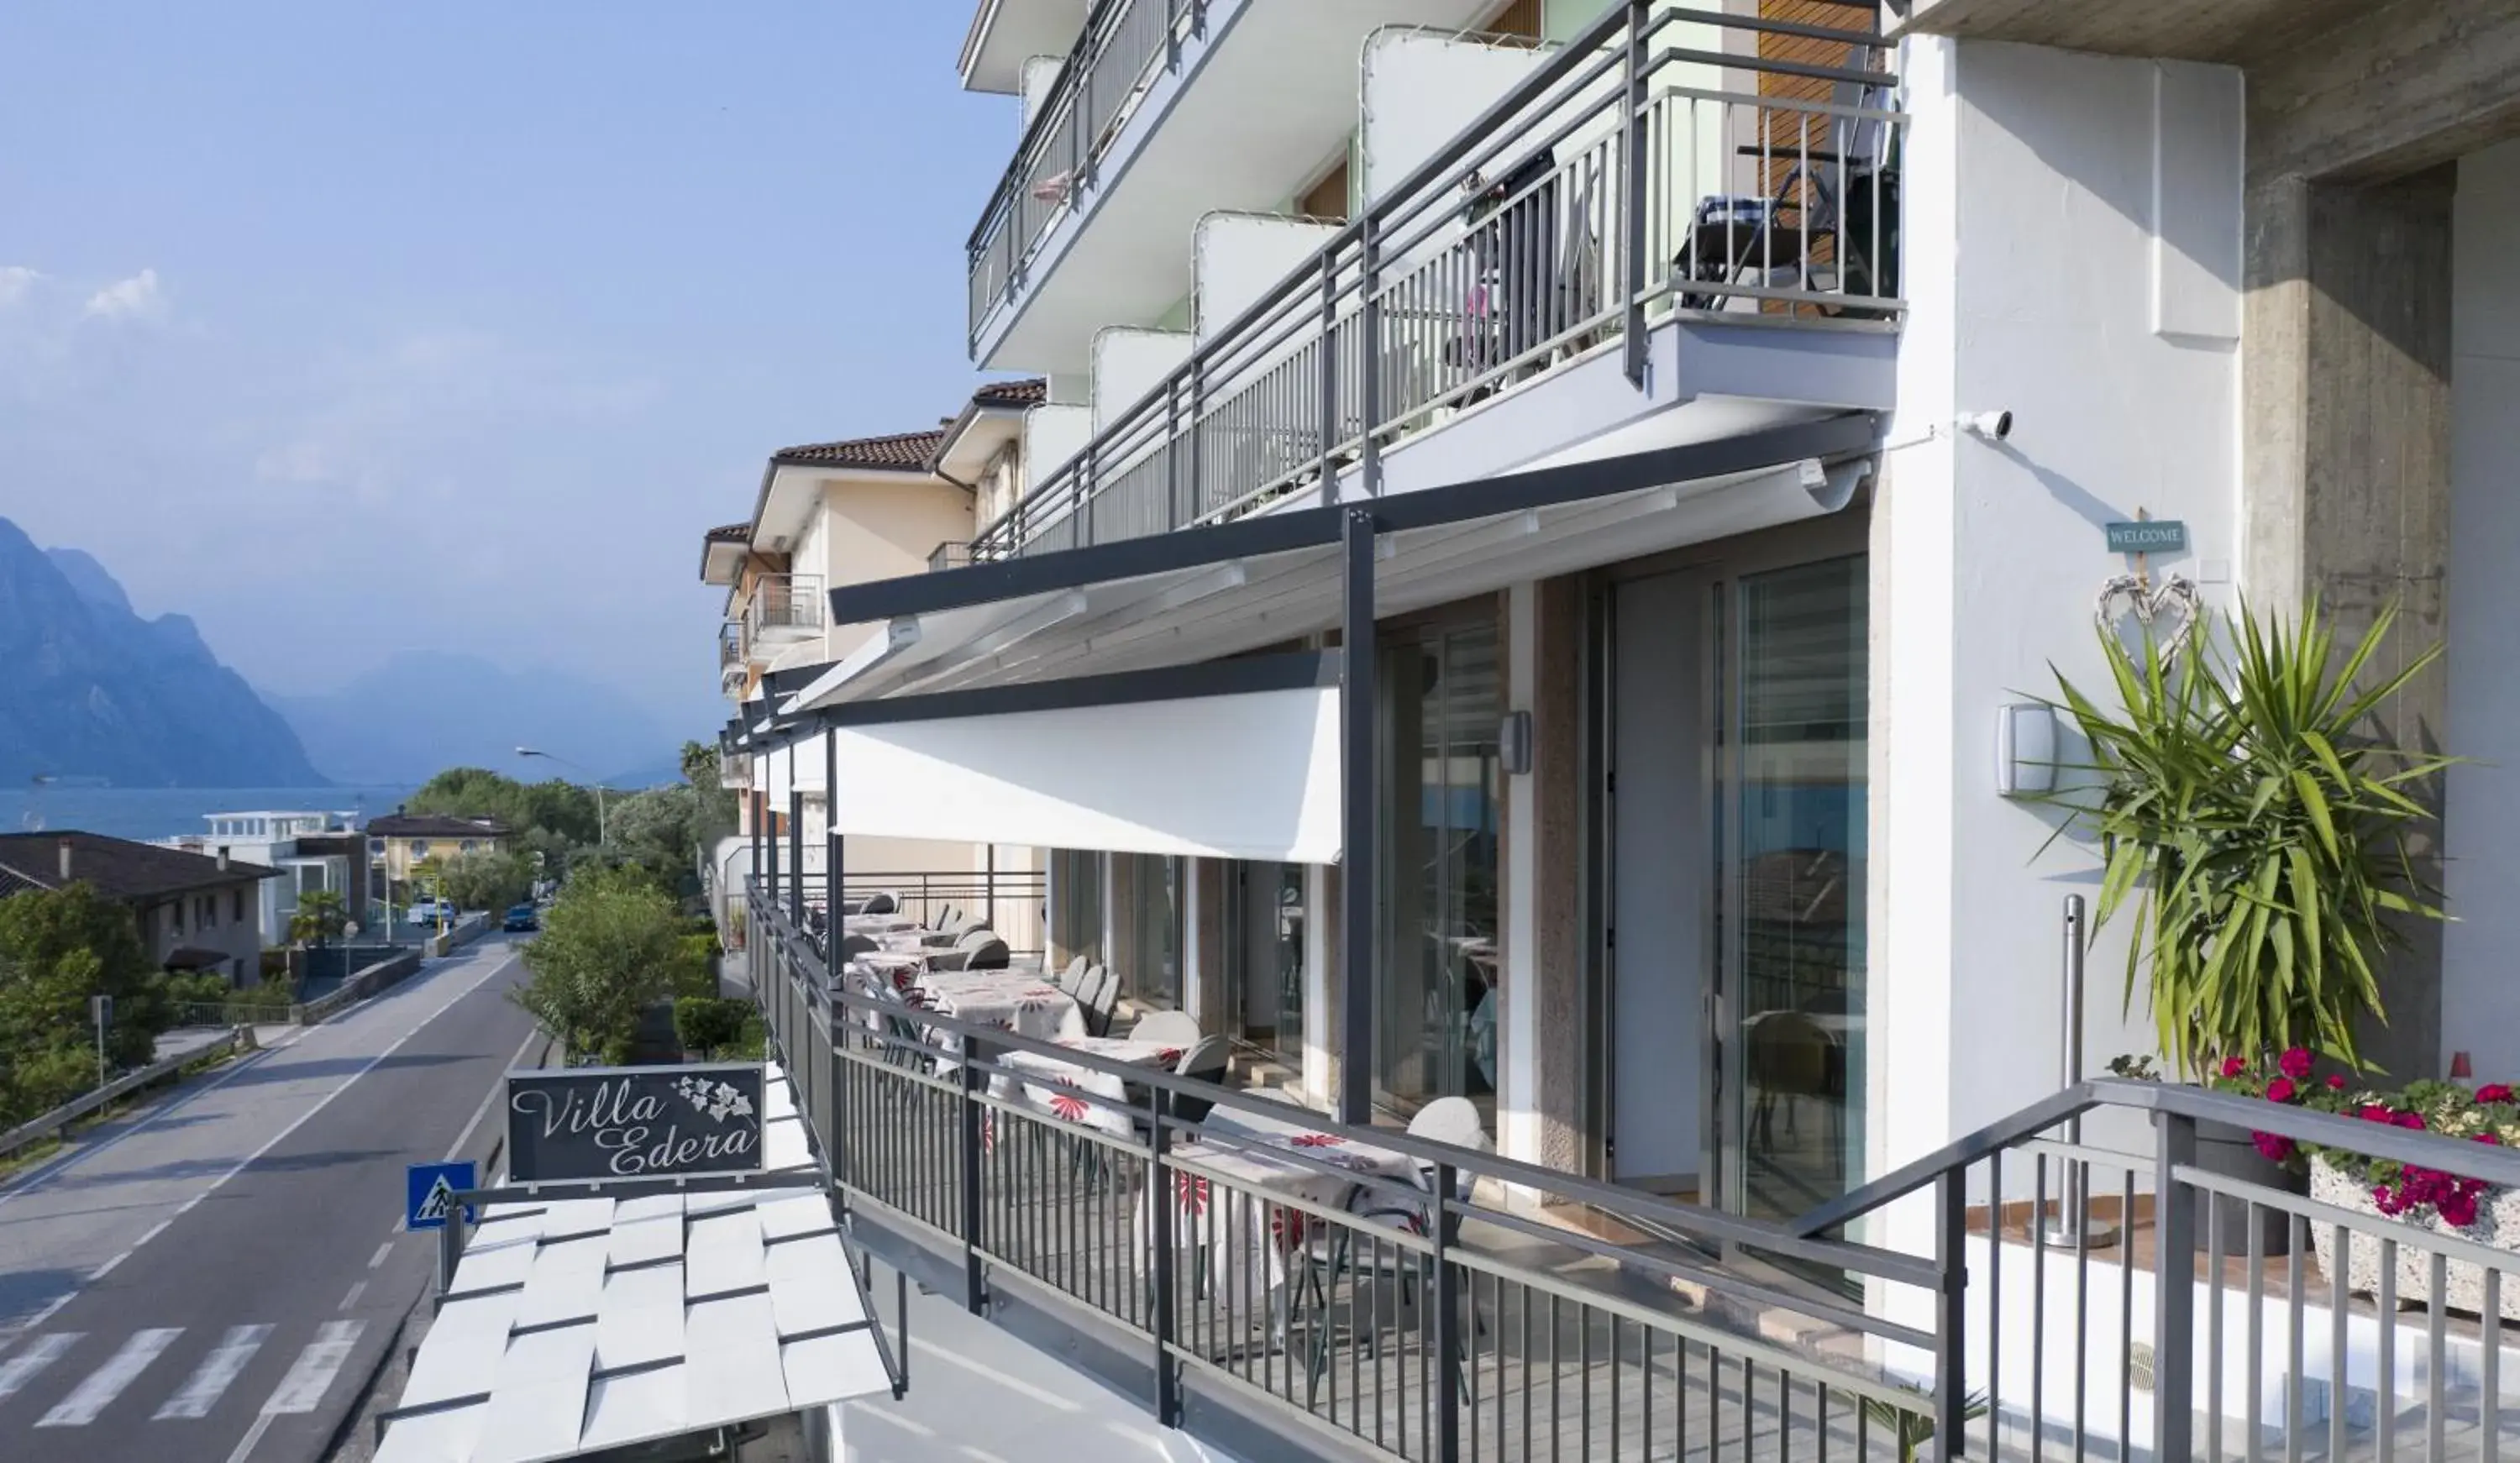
(216, 1279)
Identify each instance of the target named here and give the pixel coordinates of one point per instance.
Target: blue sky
(352, 328)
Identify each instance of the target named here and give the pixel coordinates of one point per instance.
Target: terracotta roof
(115, 868)
(1024, 393)
(435, 825)
(903, 452)
(731, 533)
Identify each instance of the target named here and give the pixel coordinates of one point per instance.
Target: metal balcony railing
(2019, 1293)
(784, 605)
(1088, 102)
(731, 647)
(1667, 162)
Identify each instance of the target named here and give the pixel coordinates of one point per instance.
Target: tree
(718, 813)
(57, 948)
(321, 917)
(658, 829)
(709, 1025)
(561, 807)
(490, 880)
(609, 948)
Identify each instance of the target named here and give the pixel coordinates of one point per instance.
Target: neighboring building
(846, 512)
(399, 841)
(195, 911)
(310, 850)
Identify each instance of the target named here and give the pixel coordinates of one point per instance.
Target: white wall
(1129, 363)
(1051, 435)
(2034, 228)
(1238, 257)
(1039, 73)
(1421, 90)
(2480, 831)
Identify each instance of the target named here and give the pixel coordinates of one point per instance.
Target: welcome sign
(581, 1123)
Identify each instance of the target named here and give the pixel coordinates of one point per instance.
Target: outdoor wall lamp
(1513, 744)
(2025, 749)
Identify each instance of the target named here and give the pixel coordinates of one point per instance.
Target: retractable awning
(1272, 579)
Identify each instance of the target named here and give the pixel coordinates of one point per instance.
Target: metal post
(831, 832)
(2072, 1224)
(1329, 369)
(2174, 1279)
(450, 1246)
(1632, 142)
(1159, 1209)
(1951, 1311)
(1448, 1324)
(989, 886)
(1357, 791)
(796, 844)
(974, 1295)
(1370, 356)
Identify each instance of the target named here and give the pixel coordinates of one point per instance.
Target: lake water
(146, 813)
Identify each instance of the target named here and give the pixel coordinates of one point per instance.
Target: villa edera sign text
(583, 1123)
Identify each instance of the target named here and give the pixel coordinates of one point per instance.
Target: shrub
(708, 1025)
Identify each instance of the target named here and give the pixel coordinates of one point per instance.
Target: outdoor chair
(854, 946)
(1066, 980)
(1207, 1060)
(954, 932)
(1167, 1028)
(1099, 993)
(977, 950)
(884, 902)
(1453, 1121)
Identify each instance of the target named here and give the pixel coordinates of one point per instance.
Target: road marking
(21, 1369)
(34, 1179)
(252, 1436)
(314, 1369)
(464, 1138)
(352, 1299)
(102, 1385)
(379, 1258)
(218, 1371)
(273, 1141)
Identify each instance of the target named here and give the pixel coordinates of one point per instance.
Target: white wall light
(2025, 749)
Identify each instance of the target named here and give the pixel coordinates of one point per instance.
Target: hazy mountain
(90, 689)
(425, 711)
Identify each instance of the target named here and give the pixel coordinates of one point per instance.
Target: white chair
(1451, 1120)
(1167, 1028)
(1066, 980)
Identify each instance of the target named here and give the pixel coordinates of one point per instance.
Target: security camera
(1995, 427)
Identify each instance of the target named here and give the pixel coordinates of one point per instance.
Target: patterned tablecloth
(1061, 1088)
(1015, 1001)
(877, 926)
(1239, 1225)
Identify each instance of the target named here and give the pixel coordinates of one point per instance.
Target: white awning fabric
(578, 1326)
(1251, 776)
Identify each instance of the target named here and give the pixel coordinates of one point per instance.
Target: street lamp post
(602, 828)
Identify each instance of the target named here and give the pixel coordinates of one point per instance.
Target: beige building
(401, 840)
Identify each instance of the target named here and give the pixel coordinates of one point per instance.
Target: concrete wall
(1419, 91)
(2053, 197)
(1238, 257)
(2480, 1001)
(1129, 363)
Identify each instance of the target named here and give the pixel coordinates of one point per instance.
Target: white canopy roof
(580, 1325)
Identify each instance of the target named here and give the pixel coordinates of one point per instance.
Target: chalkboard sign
(580, 1123)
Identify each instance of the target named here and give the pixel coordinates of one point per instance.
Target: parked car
(425, 910)
(521, 918)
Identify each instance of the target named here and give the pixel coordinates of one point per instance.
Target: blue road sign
(430, 1191)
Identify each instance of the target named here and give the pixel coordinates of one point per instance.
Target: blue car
(520, 917)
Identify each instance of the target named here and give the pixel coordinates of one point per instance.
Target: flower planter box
(2497, 1224)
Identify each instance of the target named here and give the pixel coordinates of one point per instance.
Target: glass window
(1076, 905)
(236, 905)
(1147, 909)
(1435, 1008)
(376, 846)
(1795, 860)
(467, 846)
(419, 848)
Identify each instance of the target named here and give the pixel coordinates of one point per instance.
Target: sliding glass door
(1436, 1003)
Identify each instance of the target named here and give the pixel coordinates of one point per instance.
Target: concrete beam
(2404, 87)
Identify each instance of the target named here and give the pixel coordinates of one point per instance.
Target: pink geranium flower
(2295, 1063)
(2336, 1081)
(2274, 1146)
(2493, 1091)
(2233, 1066)
(2280, 1090)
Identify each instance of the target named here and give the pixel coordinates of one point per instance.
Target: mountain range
(92, 690)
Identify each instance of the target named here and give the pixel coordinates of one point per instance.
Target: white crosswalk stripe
(218, 1371)
(43, 1351)
(315, 1367)
(101, 1385)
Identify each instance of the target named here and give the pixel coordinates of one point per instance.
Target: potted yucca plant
(2252, 813)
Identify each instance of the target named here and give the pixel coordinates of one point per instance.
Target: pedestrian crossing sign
(430, 1191)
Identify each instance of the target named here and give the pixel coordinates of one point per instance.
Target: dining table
(1103, 1101)
(1232, 1192)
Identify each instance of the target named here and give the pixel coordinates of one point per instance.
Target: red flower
(2493, 1091)
(2233, 1066)
(2280, 1090)
(2274, 1146)
(2336, 1081)
(2409, 1119)
(2457, 1210)
(2295, 1063)
(2487, 1138)
(2373, 1112)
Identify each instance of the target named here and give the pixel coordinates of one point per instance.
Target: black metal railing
(1092, 97)
(783, 603)
(1403, 1306)
(1612, 190)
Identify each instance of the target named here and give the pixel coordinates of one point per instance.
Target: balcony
(1165, 111)
(1575, 274)
(782, 610)
(733, 669)
(1296, 1285)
